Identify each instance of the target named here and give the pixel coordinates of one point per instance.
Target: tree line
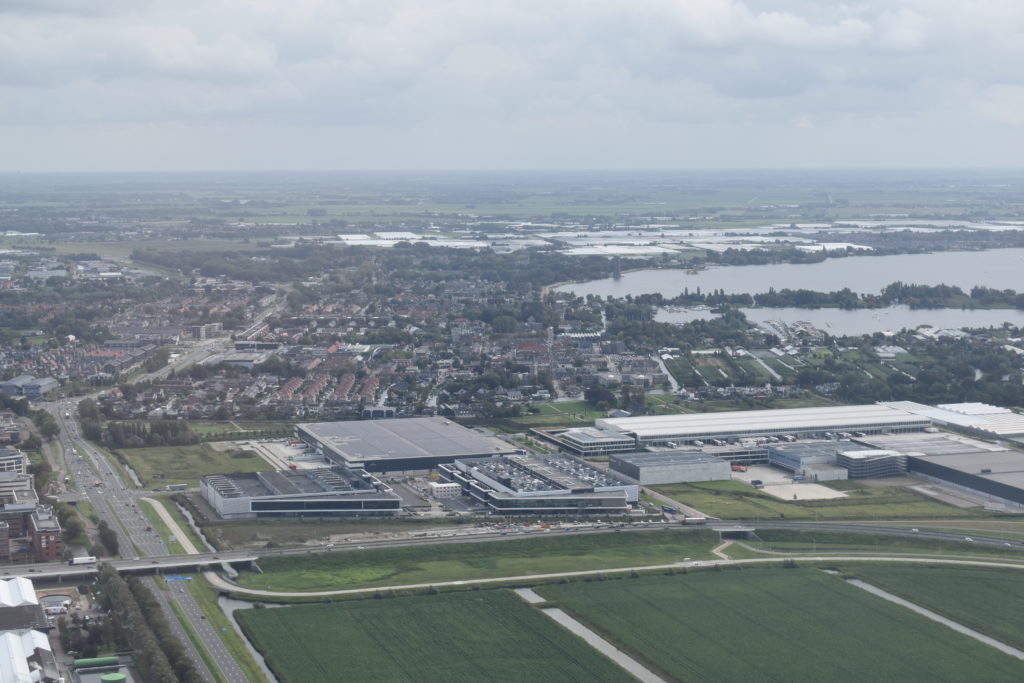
(139, 624)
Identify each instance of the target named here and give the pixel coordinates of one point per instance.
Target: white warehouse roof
(17, 591)
(768, 421)
(980, 416)
(16, 648)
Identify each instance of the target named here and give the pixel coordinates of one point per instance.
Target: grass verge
(197, 642)
(545, 554)
(206, 597)
(173, 547)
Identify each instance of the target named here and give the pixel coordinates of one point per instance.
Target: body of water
(996, 268)
(838, 322)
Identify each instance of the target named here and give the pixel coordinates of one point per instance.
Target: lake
(997, 268)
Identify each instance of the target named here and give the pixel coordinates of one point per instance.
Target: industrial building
(813, 460)
(400, 445)
(25, 653)
(872, 464)
(541, 485)
(320, 492)
(986, 469)
(979, 419)
(806, 423)
(588, 441)
(671, 467)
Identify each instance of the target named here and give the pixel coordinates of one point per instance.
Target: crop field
(186, 464)
(683, 371)
(580, 410)
(987, 600)
(473, 636)
(661, 404)
(735, 500)
(775, 625)
(225, 427)
(544, 553)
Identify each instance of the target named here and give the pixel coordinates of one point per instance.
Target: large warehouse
(403, 445)
(321, 492)
(983, 468)
(810, 423)
(671, 467)
(980, 419)
(541, 485)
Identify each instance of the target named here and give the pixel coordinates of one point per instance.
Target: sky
(169, 85)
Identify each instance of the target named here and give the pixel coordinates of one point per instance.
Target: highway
(117, 504)
(165, 562)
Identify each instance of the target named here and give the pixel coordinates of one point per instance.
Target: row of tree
(140, 434)
(140, 625)
(914, 296)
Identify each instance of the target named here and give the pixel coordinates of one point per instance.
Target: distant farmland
(473, 636)
(777, 625)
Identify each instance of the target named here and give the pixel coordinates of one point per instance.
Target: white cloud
(526, 66)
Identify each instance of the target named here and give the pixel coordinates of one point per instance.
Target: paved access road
(226, 585)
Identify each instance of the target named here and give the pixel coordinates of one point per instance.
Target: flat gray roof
(1006, 467)
(813, 448)
(682, 457)
(418, 437)
(937, 443)
(779, 420)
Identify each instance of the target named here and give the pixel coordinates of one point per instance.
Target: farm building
(402, 445)
(541, 485)
(321, 492)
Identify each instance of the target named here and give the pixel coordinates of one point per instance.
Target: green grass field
(736, 500)
(473, 636)
(186, 464)
(546, 553)
(987, 600)
(800, 541)
(775, 625)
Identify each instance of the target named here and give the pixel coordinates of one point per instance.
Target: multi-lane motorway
(117, 503)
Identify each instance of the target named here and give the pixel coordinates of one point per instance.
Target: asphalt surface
(117, 504)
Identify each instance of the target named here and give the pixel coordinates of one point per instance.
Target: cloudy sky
(102, 85)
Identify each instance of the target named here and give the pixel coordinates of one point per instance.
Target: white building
(660, 430)
(444, 490)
